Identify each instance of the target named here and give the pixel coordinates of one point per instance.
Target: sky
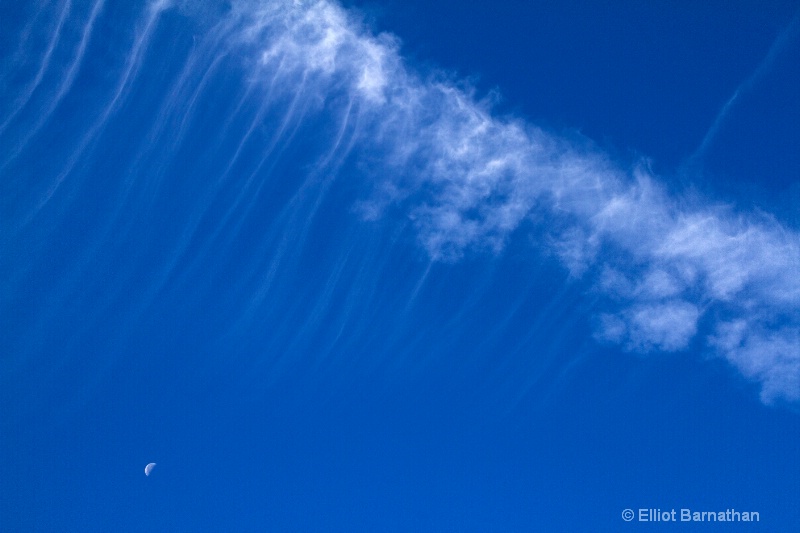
(398, 266)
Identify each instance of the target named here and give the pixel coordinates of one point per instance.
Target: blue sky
(394, 266)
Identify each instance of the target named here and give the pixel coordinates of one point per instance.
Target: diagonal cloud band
(671, 269)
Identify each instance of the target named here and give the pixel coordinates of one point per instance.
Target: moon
(149, 468)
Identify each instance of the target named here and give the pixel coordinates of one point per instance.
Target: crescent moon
(149, 468)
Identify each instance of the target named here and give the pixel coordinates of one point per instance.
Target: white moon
(149, 468)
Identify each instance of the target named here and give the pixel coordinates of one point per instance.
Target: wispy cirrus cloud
(789, 33)
(671, 270)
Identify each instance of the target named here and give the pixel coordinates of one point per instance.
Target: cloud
(469, 180)
(767, 355)
(667, 326)
(778, 45)
(667, 271)
(21, 101)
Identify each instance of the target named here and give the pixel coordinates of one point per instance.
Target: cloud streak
(778, 45)
(672, 271)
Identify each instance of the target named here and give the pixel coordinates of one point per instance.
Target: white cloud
(767, 355)
(468, 180)
(667, 326)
